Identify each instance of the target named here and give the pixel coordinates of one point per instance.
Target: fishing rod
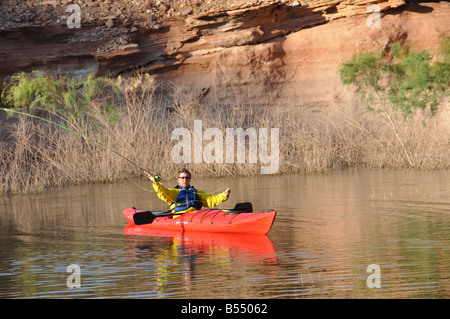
(92, 140)
(157, 178)
(81, 135)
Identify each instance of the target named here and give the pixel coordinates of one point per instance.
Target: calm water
(328, 230)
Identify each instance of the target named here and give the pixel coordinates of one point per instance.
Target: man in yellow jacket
(184, 198)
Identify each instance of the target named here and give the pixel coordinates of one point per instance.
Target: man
(185, 198)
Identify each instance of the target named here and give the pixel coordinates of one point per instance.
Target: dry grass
(380, 140)
(36, 155)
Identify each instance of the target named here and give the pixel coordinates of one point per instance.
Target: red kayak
(204, 220)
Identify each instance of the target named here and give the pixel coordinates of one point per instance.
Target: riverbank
(37, 155)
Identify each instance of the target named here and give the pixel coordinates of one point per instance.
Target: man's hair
(184, 170)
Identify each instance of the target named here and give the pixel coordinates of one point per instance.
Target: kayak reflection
(257, 245)
(194, 254)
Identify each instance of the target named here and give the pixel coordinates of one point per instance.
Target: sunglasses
(184, 177)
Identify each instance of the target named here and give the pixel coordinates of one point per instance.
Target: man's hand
(152, 177)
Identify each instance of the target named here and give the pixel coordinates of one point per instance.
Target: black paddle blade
(142, 218)
(148, 217)
(244, 207)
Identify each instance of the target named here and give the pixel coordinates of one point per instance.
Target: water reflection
(328, 229)
(347, 221)
(183, 257)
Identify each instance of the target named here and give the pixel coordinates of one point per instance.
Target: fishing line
(81, 135)
(129, 179)
(97, 143)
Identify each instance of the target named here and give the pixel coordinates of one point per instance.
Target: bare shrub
(36, 155)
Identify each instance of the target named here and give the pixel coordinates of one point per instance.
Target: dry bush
(36, 155)
(373, 140)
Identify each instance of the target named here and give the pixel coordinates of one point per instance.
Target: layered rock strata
(259, 52)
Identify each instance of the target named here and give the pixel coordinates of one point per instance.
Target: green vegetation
(403, 79)
(70, 99)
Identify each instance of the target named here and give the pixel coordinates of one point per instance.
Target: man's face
(184, 180)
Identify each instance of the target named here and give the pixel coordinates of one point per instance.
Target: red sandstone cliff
(263, 51)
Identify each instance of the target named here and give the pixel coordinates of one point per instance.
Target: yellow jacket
(169, 195)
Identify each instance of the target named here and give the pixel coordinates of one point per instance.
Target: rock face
(286, 51)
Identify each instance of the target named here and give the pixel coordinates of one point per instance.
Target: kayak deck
(209, 220)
